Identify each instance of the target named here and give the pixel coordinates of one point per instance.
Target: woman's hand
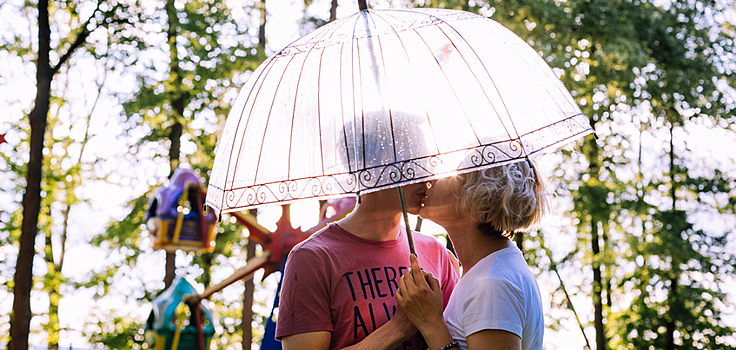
(420, 298)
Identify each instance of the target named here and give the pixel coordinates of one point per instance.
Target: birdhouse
(176, 216)
(174, 324)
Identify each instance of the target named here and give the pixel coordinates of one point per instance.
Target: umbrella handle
(362, 5)
(406, 221)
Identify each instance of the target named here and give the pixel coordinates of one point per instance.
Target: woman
(496, 304)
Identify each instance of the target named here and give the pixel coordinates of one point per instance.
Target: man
(339, 285)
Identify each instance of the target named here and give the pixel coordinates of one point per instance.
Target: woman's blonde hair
(505, 199)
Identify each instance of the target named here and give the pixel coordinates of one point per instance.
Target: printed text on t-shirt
(368, 285)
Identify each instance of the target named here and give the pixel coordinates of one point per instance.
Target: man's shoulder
(319, 241)
(430, 246)
(426, 240)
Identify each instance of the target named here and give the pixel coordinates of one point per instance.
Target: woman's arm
(420, 298)
(494, 339)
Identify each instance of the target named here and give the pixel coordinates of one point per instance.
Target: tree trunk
(600, 339)
(250, 248)
(672, 297)
(449, 245)
(519, 239)
(418, 226)
(207, 267)
(673, 188)
(170, 269)
(608, 301)
(23, 279)
(248, 296)
(333, 10)
(178, 103)
(248, 301)
(594, 170)
(52, 287)
(262, 27)
(669, 319)
(175, 137)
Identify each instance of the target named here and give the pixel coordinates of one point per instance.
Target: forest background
(102, 100)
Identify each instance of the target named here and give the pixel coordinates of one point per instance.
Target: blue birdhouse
(174, 324)
(176, 216)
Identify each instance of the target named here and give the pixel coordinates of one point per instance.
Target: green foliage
(655, 65)
(63, 169)
(687, 264)
(677, 279)
(210, 50)
(15, 177)
(126, 232)
(116, 333)
(126, 236)
(206, 53)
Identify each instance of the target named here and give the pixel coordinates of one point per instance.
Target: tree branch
(81, 39)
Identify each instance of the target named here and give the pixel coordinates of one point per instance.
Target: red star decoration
(278, 244)
(2, 138)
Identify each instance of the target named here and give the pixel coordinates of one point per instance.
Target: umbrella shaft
(406, 221)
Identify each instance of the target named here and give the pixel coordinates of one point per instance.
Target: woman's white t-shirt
(498, 292)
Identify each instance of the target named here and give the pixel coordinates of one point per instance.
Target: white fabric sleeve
(491, 303)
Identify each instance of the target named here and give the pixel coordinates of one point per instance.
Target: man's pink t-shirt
(338, 282)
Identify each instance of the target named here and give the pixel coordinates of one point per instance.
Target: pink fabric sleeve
(450, 278)
(305, 296)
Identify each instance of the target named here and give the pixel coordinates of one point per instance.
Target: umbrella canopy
(386, 98)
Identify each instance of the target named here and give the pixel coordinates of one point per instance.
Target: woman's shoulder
(505, 266)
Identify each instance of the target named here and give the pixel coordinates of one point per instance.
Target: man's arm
(311, 341)
(389, 336)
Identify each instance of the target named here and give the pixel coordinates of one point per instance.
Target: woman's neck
(471, 245)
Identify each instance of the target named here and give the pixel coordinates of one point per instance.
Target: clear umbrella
(386, 98)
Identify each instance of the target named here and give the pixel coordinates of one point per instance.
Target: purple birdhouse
(176, 217)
